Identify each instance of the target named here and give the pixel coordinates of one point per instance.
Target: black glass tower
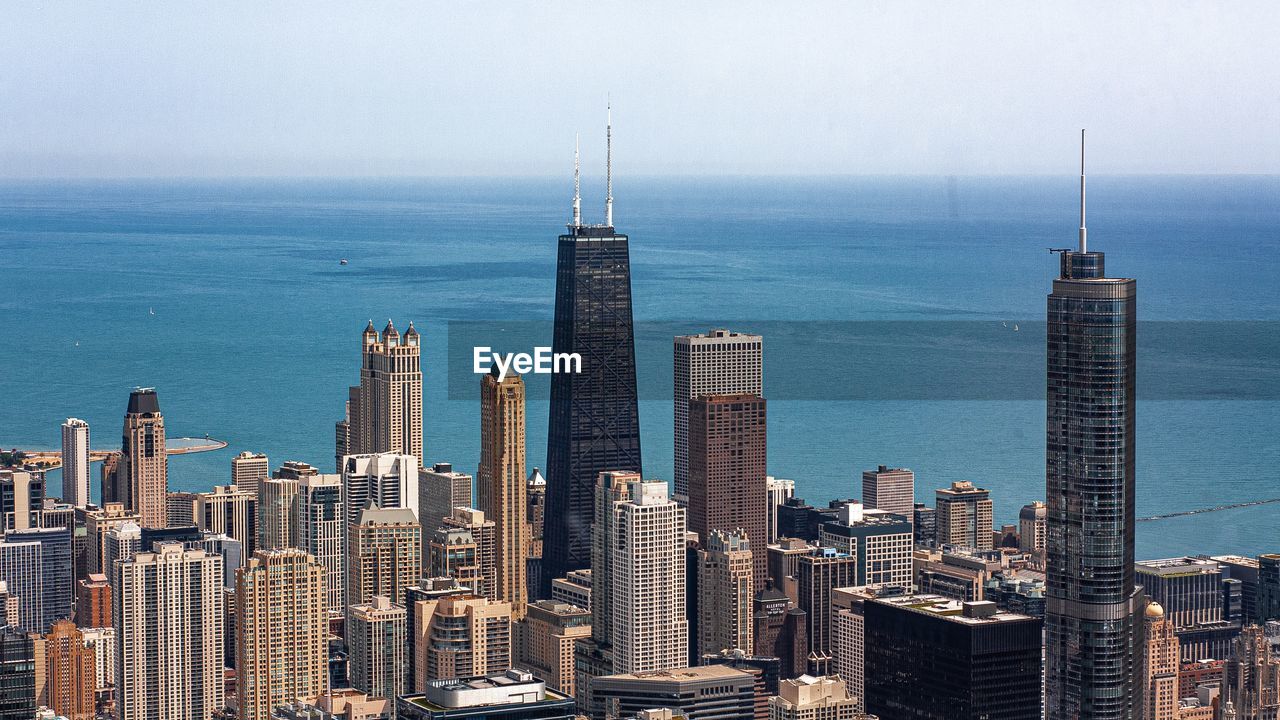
(1091, 626)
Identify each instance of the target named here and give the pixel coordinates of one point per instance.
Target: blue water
(256, 327)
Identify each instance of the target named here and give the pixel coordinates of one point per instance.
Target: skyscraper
(889, 489)
(167, 609)
(321, 525)
(75, 462)
(229, 510)
(277, 500)
(71, 674)
(384, 414)
(463, 548)
(780, 491)
(1091, 601)
(545, 641)
(880, 542)
(17, 675)
(725, 590)
(719, 362)
(249, 470)
(389, 480)
(384, 554)
(1158, 682)
(97, 523)
(594, 419)
(467, 635)
(281, 631)
(1031, 527)
(811, 698)
(376, 643)
(440, 490)
(93, 601)
(964, 516)
(142, 479)
(727, 457)
(36, 566)
(501, 490)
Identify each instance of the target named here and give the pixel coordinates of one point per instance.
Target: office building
(889, 489)
(420, 604)
(766, 672)
(815, 698)
(930, 657)
(1253, 676)
(9, 607)
(707, 692)
(93, 601)
(781, 630)
(1092, 605)
(142, 479)
(249, 470)
(779, 491)
(387, 480)
(321, 530)
(925, 525)
(376, 643)
(465, 546)
(1031, 527)
(22, 495)
(281, 625)
(501, 491)
(97, 523)
(727, 491)
(509, 695)
(848, 634)
(121, 543)
(1245, 571)
(536, 510)
(75, 462)
(230, 511)
(817, 572)
(963, 516)
(440, 490)
(167, 609)
(467, 635)
(719, 362)
(70, 672)
(1189, 592)
(725, 592)
(574, 588)
(180, 509)
(35, 565)
(1158, 681)
(277, 523)
(880, 542)
(594, 421)
(384, 414)
(545, 641)
(797, 519)
(1268, 606)
(17, 675)
(384, 554)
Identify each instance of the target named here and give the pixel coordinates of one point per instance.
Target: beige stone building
(545, 641)
(501, 485)
(384, 554)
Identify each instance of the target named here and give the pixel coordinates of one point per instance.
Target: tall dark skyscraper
(594, 420)
(1092, 604)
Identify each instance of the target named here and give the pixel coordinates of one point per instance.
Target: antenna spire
(1084, 233)
(608, 167)
(577, 190)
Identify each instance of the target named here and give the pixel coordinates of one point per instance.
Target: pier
(52, 459)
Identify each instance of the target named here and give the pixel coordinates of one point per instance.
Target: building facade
(963, 516)
(75, 462)
(249, 470)
(231, 511)
(70, 672)
(384, 413)
(376, 643)
(384, 554)
(725, 592)
(440, 490)
(889, 489)
(501, 485)
(545, 641)
(880, 542)
(142, 479)
(321, 531)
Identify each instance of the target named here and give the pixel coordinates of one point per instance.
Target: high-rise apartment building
(75, 462)
(35, 565)
(719, 362)
(320, 530)
(880, 542)
(889, 489)
(1092, 600)
(282, 627)
(964, 516)
(93, 601)
(121, 543)
(594, 420)
(102, 641)
(440, 490)
(501, 489)
(465, 547)
(779, 492)
(420, 604)
(384, 414)
(377, 648)
(384, 554)
(1031, 527)
(277, 523)
(167, 609)
(725, 591)
(22, 496)
(727, 456)
(815, 698)
(817, 573)
(17, 675)
(928, 658)
(231, 511)
(70, 672)
(142, 479)
(388, 480)
(97, 523)
(249, 470)
(467, 635)
(545, 641)
(180, 509)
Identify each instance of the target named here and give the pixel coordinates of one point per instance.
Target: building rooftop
(512, 687)
(701, 672)
(969, 613)
(1173, 567)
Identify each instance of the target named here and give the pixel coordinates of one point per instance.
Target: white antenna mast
(577, 190)
(608, 168)
(1084, 234)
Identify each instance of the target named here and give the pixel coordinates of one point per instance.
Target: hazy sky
(499, 88)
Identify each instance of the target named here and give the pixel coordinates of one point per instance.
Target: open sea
(228, 297)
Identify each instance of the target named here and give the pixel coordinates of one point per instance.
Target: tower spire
(577, 192)
(608, 167)
(1084, 234)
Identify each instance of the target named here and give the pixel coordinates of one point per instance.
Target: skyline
(226, 90)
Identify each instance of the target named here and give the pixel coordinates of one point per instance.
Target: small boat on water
(343, 261)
